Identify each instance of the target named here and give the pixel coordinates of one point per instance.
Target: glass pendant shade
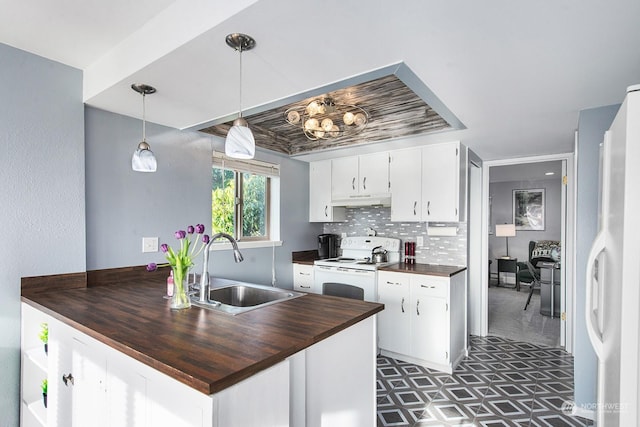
(143, 159)
(240, 143)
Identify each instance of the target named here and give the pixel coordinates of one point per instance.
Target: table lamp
(506, 231)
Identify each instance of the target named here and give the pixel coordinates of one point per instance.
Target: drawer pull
(66, 379)
(305, 287)
(394, 283)
(427, 286)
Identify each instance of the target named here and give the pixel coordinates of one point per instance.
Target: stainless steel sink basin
(236, 298)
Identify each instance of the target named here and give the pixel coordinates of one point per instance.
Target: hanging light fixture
(325, 119)
(143, 159)
(240, 143)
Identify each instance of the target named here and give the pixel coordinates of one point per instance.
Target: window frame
(272, 174)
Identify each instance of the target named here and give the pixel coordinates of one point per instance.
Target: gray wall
(592, 125)
(123, 206)
(42, 191)
(501, 194)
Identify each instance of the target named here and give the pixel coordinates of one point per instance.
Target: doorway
(498, 208)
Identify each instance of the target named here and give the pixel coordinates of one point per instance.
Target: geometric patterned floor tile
(501, 383)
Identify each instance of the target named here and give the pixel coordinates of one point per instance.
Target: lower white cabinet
(303, 278)
(424, 320)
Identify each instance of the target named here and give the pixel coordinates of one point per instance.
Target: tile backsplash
(442, 250)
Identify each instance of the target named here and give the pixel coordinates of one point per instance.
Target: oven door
(341, 281)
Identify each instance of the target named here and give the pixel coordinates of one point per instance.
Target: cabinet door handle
(428, 207)
(302, 273)
(415, 205)
(364, 183)
(418, 307)
(325, 210)
(394, 283)
(427, 286)
(353, 183)
(66, 379)
(402, 304)
(305, 287)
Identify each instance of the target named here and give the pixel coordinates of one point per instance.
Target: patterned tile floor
(501, 383)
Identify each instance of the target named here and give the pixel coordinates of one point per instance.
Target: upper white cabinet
(405, 176)
(320, 209)
(444, 182)
(357, 176)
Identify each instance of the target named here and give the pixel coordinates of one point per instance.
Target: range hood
(364, 200)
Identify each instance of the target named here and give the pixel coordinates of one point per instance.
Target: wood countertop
(427, 269)
(205, 349)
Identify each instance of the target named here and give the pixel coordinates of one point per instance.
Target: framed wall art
(528, 209)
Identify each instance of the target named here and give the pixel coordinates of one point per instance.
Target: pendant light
(240, 143)
(143, 159)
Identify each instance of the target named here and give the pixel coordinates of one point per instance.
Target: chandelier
(323, 118)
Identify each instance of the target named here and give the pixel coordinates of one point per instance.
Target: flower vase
(180, 299)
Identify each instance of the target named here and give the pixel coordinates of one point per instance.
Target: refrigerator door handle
(595, 335)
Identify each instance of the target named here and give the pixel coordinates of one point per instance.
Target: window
(241, 198)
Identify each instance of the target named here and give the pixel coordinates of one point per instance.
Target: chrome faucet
(204, 279)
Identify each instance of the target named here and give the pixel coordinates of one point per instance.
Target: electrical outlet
(149, 244)
(420, 241)
(343, 235)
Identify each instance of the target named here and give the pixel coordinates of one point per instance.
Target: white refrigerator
(613, 272)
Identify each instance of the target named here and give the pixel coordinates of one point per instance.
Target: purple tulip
(190, 229)
(200, 228)
(180, 234)
(205, 239)
(152, 266)
(164, 247)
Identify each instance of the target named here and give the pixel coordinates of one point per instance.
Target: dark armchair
(543, 250)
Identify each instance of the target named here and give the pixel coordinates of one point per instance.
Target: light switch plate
(149, 244)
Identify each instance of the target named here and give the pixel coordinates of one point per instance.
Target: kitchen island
(314, 349)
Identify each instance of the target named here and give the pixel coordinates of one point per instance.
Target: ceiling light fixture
(323, 118)
(240, 143)
(143, 159)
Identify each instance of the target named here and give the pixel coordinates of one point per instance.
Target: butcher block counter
(427, 269)
(207, 350)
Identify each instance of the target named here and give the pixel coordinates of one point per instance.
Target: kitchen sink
(238, 298)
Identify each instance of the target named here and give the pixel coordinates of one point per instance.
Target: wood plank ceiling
(394, 111)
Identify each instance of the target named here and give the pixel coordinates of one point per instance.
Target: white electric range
(353, 273)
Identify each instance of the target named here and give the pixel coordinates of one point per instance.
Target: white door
(430, 323)
(440, 182)
(373, 173)
(394, 322)
(405, 175)
(613, 273)
(344, 177)
(320, 209)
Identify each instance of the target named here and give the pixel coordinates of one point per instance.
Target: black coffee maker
(327, 246)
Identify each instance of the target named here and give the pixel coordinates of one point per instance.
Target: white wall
(501, 194)
(41, 191)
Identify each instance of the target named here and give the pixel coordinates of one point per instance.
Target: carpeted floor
(508, 319)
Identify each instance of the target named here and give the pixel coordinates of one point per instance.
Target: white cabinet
(444, 182)
(303, 278)
(92, 384)
(405, 177)
(360, 176)
(320, 209)
(424, 320)
(394, 322)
